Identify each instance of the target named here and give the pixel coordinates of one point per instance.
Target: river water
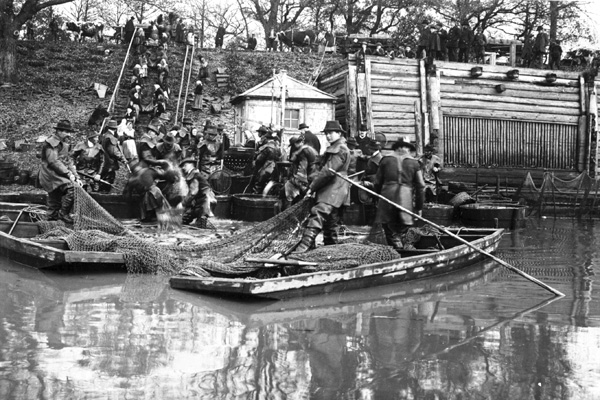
(482, 333)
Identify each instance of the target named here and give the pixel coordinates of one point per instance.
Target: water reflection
(481, 333)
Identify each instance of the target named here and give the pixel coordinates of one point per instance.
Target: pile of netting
(579, 194)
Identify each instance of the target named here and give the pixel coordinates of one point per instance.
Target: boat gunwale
(248, 287)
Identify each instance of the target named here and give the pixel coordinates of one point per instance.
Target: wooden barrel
(239, 183)
(493, 215)
(223, 207)
(253, 207)
(441, 214)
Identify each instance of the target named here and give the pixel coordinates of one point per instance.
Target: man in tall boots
(399, 179)
(113, 155)
(331, 191)
(58, 174)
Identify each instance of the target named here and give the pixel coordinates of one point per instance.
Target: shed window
(291, 118)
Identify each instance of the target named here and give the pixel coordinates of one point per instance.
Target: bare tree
(11, 20)
(275, 14)
(83, 10)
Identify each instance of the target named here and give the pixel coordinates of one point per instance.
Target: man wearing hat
(88, 156)
(465, 41)
(540, 47)
(363, 139)
(197, 203)
(58, 174)
(331, 191)
(147, 145)
(398, 179)
(379, 51)
(304, 161)
(309, 138)
(361, 56)
(210, 152)
(112, 155)
(168, 149)
(265, 158)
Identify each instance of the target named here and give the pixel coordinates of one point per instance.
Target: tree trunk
(553, 20)
(8, 49)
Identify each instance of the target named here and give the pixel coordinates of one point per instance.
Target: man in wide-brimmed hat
(113, 155)
(331, 191)
(58, 174)
(197, 203)
(373, 161)
(304, 161)
(398, 179)
(88, 156)
(309, 138)
(168, 149)
(266, 156)
(210, 152)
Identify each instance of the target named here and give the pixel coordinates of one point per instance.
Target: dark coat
(330, 188)
(112, 152)
(398, 178)
(89, 159)
(312, 140)
(56, 164)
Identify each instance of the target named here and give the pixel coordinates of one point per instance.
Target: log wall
(524, 123)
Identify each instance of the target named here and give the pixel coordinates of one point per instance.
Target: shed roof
(295, 90)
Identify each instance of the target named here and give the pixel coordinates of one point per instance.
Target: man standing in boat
(112, 155)
(331, 191)
(398, 179)
(88, 156)
(58, 174)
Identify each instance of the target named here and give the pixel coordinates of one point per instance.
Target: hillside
(56, 80)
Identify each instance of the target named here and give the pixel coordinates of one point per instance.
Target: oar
(447, 232)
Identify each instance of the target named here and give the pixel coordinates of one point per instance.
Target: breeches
(61, 199)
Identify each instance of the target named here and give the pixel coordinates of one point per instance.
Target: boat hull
(324, 282)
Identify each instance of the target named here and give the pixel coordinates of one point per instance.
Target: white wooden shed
(283, 98)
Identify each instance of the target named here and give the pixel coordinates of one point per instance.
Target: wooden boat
(414, 264)
(17, 243)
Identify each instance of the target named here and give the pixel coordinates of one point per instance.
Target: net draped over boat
(96, 230)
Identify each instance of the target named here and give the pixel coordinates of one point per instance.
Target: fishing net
(579, 194)
(347, 255)
(94, 229)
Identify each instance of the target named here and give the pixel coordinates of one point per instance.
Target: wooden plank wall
(334, 81)
(530, 124)
(395, 97)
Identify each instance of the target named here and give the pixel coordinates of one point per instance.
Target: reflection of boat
(422, 263)
(369, 300)
(17, 242)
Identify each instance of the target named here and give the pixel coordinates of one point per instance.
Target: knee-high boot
(308, 240)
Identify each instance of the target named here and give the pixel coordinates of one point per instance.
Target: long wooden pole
(447, 232)
(187, 48)
(187, 88)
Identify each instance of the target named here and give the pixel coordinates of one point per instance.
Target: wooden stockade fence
(487, 120)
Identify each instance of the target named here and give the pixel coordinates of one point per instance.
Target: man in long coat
(88, 156)
(58, 174)
(539, 47)
(112, 155)
(304, 167)
(309, 138)
(331, 191)
(398, 179)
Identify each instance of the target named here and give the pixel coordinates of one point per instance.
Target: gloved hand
(79, 182)
(72, 177)
(368, 184)
(97, 177)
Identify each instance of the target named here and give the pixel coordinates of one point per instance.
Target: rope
(187, 48)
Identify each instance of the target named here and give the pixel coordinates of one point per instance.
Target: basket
(220, 181)
(460, 199)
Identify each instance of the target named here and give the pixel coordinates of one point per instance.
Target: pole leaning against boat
(493, 257)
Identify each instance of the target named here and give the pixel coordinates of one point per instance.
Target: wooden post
(418, 125)
(370, 123)
(424, 113)
(440, 143)
(352, 101)
(513, 53)
(582, 94)
(434, 98)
